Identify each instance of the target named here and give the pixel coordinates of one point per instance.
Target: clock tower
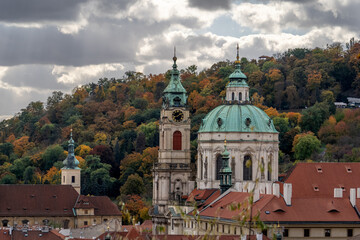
(171, 174)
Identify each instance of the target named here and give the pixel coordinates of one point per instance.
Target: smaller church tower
(70, 173)
(225, 171)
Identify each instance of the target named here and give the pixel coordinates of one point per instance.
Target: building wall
(262, 147)
(295, 231)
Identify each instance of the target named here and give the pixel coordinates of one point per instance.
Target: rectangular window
(264, 232)
(327, 232)
(64, 179)
(86, 211)
(350, 232)
(286, 232)
(85, 223)
(306, 232)
(72, 179)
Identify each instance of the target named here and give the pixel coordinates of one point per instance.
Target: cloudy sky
(48, 45)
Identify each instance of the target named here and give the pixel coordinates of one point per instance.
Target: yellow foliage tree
(82, 162)
(129, 124)
(101, 138)
(82, 150)
(271, 112)
(53, 176)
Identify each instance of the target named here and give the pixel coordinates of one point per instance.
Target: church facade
(249, 155)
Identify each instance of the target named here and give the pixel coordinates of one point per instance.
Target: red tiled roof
(84, 202)
(221, 208)
(104, 206)
(49, 200)
(36, 235)
(309, 210)
(37, 200)
(201, 194)
(4, 234)
(312, 196)
(325, 176)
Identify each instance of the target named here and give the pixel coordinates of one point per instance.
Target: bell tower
(171, 174)
(70, 173)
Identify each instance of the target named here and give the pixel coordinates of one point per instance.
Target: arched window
(218, 166)
(233, 96)
(177, 101)
(262, 169)
(269, 168)
(240, 96)
(5, 222)
(177, 140)
(247, 168)
(66, 223)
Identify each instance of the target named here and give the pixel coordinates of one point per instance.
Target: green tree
(133, 185)
(19, 167)
(51, 155)
(306, 146)
(8, 179)
(29, 174)
(314, 117)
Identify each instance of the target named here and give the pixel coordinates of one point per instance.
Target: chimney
(338, 193)
(287, 193)
(276, 189)
(353, 196)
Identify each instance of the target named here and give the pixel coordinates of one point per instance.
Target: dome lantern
(237, 90)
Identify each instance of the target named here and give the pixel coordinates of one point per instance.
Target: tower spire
(71, 162)
(237, 51)
(174, 93)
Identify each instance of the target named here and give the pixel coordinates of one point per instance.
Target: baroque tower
(171, 174)
(70, 173)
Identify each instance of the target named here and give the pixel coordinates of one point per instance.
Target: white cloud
(83, 74)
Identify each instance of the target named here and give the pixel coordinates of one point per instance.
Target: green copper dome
(237, 118)
(71, 162)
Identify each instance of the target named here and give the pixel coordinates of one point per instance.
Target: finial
(225, 142)
(71, 132)
(174, 58)
(237, 50)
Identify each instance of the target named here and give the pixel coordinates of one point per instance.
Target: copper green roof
(174, 93)
(237, 118)
(237, 78)
(71, 162)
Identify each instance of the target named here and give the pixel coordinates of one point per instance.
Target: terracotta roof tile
(325, 176)
(37, 200)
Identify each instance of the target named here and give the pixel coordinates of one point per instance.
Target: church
(237, 160)
(55, 205)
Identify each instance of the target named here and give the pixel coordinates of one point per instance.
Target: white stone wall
(258, 145)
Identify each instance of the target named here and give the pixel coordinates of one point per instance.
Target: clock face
(177, 115)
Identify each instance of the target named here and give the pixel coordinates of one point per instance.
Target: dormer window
(318, 168)
(316, 188)
(348, 169)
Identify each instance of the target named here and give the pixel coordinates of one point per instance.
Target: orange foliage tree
(21, 145)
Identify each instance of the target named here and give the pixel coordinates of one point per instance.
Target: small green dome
(237, 118)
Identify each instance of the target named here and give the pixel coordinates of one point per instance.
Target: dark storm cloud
(20, 11)
(316, 16)
(99, 43)
(113, 6)
(210, 5)
(35, 76)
